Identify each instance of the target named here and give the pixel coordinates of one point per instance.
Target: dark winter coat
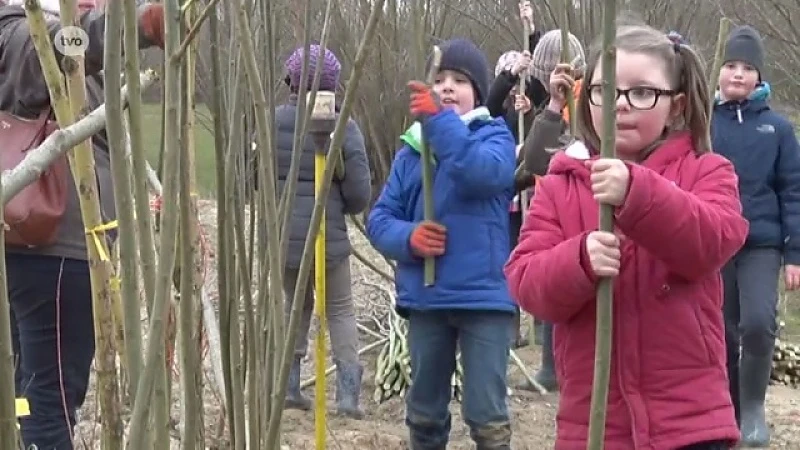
(349, 195)
(23, 92)
(763, 148)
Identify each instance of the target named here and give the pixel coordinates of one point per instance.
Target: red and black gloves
(151, 23)
(428, 239)
(424, 102)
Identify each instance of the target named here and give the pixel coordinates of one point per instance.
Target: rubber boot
(732, 366)
(537, 330)
(754, 374)
(423, 435)
(546, 376)
(348, 389)
(496, 436)
(294, 396)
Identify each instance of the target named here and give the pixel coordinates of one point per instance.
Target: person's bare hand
(561, 82)
(792, 277)
(522, 103)
(610, 178)
(604, 253)
(522, 63)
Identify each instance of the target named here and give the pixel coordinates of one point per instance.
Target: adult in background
(49, 287)
(350, 194)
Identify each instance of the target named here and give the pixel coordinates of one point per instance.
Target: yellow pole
(323, 118)
(319, 307)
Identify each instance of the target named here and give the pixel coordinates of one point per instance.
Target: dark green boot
(754, 373)
(348, 389)
(294, 396)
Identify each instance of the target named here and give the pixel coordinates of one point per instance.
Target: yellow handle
(319, 310)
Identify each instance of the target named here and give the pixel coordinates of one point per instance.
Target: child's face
(455, 91)
(737, 80)
(640, 124)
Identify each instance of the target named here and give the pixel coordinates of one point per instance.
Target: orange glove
(424, 102)
(427, 239)
(151, 23)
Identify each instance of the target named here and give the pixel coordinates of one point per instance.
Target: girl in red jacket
(678, 220)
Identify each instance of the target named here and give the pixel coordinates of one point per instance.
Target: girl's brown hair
(685, 69)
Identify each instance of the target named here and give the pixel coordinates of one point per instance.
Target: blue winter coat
(473, 183)
(763, 148)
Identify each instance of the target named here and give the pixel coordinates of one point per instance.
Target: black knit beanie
(744, 44)
(461, 55)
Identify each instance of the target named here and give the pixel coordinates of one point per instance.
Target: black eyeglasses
(639, 97)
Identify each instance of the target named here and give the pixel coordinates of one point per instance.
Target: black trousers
(52, 331)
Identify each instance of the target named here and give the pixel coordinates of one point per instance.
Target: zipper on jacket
(625, 397)
(739, 113)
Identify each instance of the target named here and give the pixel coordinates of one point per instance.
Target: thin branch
(192, 34)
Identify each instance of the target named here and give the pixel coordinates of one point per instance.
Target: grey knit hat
(547, 55)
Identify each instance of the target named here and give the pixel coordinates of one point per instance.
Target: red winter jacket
(682, 219)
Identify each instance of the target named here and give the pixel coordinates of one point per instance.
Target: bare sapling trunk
(223, 222)
(8, 419)
(229, 307)
(526, 47)
(154, 360)
(245, 356)
(68, 102)
(266, 166)
(191, 261)
(129, 274)
(719, 52)
(147, 255)
(566, 58)
(605, 287)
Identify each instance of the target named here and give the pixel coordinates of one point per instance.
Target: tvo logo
(71, 41)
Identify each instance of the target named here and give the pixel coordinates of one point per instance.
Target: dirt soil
(533, 419)
(533, 415)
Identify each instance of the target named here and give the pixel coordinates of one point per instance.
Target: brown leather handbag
(32, 217)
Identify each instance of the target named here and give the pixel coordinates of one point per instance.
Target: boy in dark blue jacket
(469, 306)
(763, 148)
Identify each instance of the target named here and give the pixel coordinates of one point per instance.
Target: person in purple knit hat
(349, 194)
(328, 78)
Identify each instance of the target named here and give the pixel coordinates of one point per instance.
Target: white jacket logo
(766, 128)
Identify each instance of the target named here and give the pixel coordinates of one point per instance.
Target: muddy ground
(533, 415)
(533, 419)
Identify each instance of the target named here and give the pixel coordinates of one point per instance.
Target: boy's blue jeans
(483, 338)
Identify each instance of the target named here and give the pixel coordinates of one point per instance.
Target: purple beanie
(331, 68)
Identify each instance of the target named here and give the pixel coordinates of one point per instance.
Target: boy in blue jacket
(469, 306)
(763, 148)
